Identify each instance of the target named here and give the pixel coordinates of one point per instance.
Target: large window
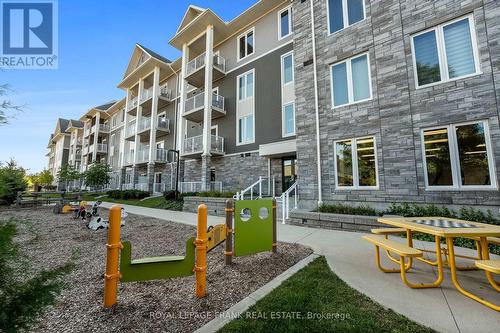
(351, 81)
(458, 156)
(246, 44)
(446, 52)
(285, 23)
(245, 86)
(245, 128)
(356, 163)
(289, 119)
(343, 13)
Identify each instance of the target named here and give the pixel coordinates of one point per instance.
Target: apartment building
(365, 102)
(59, 148)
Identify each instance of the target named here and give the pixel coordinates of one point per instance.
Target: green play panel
(253, 227)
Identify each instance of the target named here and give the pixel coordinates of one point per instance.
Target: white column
(182, 99)
(207, 116)
(96, 134)
(137, 120)
(154, 114)
(125, 128)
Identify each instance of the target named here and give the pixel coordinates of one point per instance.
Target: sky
(96, 40)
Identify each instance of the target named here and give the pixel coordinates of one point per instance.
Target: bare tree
(7, 109)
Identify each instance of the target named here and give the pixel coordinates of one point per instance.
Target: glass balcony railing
(199, 62)
(198, 101)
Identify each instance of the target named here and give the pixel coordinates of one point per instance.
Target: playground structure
(254, 232)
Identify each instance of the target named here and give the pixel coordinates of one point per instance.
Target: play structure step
(157, 259)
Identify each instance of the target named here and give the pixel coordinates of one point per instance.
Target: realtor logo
(29, 34)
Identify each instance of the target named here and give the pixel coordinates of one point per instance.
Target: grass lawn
(315, 289)
(156, 202)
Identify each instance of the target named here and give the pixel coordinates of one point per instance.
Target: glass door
(289, 172)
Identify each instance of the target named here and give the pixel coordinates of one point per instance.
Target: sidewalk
(353, 260)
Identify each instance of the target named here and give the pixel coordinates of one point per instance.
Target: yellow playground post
(201, 252)
(114, 245)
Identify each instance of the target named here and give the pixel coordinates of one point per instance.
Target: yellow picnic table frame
(481, 231)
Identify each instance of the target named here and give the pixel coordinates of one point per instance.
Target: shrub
(189, 194)
(23, 299)
(12, 180)
(170, 195)
(350, 210)
(216, 194)
(127, 194)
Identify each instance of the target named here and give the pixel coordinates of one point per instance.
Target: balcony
(102, 148)
(86, 131)
(132, 105)
(195, 74)
(85, 150)
(194, 107)
(144, 124)
(130, 133)
(128, 159)
(193, 146)
(142, 156)
(77, 142)
(147, 94)
(161, 155)
(103, 128)
(198, 187)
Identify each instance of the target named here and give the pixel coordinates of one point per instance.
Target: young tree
(11, 181)
(66, 174)
(23, 297)
(6, 106)
(45, 178)
(97, 175)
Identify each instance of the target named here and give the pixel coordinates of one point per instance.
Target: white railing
(194, 144)
(198, 102)
(198, 187)
(161, 154)
(220, 63)
(141, 187)
(147, 94)
(142, 155)
(199, 62)
(86, 131)
(166, 92)
(102, 147)
(163, 123)
(285, 201)
(91, 148)
(144, 124)
(265, 186)
(103, 128)
(132, 104)
(128, 186)
(217, 144)
(128, 159)
(130, 129)
(159, 187)
(85, 150)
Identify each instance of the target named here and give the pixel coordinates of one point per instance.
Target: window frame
(242, 143)
(350, 90)
(355, 169)
(282, 65)
(455, 158)
(238, 116)
(441, 48)
(345, 16)
(245, 34)
(290, 22)
(245, 75)
(283, 121)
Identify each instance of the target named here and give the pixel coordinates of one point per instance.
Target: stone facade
(334, 221)
(398, 111)
(215, 206)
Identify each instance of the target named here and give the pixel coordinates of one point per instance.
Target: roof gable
(140, 55)
(191, 13)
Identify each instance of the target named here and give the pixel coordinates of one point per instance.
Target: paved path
(352, 259)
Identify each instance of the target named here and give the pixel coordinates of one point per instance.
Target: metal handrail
(250, 189)
(285, 201)
(198, 102)
(199, 62)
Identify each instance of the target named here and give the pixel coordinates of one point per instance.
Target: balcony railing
(86, 131)
(147, 94)
(128, 159)
(199, 62)
(195, 144)
(161, 155)
(159, 187)
(102, 148)
(77, 142)
(85, 150)
(130, 129)
(132, 103)
(104, 128)
(198, 102)
(166, 92)
(198, 187)
(163, 123)
(144, 124)
(142, 155)
(141, 187)
(128, 186)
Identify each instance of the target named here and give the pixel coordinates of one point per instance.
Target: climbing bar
(113, 251)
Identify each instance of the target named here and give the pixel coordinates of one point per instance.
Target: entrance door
(289, 172)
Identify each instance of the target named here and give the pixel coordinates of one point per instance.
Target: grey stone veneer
(398, 111)
(334, 221)
(215, 206)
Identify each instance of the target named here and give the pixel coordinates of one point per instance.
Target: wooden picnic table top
(443, 226)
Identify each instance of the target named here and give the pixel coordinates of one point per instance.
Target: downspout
(316, 104)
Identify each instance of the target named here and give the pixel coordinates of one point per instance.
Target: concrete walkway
(352, 259)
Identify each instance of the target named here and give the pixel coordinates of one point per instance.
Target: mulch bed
(169, 305)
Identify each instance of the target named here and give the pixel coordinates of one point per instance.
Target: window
(245, 128)
(245, 86)
(351, 81)
(343, 13)
(446, 52)
(287, 68)
(458, 156)
(285, 23)
(246, 44)
(289, 119)
(356, 163)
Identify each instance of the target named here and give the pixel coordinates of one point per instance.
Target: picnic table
(449, 229)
